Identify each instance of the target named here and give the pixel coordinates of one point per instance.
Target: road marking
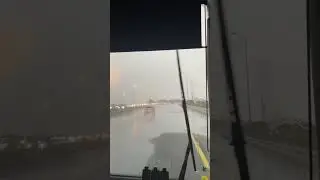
(204, 177)
(203, 157)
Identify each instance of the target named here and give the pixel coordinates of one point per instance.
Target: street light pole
(247, 73)
(134, 93)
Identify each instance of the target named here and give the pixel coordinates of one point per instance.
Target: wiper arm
(185, 162)
(236, 128)
(184, 107)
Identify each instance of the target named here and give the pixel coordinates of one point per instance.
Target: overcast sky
(137, 76)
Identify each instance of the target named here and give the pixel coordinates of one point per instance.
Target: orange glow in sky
(114, 76)
(15, 47)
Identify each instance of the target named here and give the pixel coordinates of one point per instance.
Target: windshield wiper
(184, 107)
(236, 128)
(185, 162)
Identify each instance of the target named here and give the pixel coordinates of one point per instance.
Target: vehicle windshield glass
(147, 123)
(269, 69)
(146, 117)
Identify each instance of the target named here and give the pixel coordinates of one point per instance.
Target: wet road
(138, 140)
(159, 141)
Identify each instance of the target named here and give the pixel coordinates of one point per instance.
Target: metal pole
(313, 45)
(247, 74)
(134, 93)
(207, 66)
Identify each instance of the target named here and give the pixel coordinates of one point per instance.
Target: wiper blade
(185, 162)
(184, 107)
(236, 128)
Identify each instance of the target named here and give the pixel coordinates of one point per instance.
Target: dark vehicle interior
(55, 86)
(239, 130)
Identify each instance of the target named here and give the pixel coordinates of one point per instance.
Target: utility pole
(187, 89)
(245, 45)
(248, 77)
(134, 93)
(192, 95)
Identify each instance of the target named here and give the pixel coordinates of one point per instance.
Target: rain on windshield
(147, 121)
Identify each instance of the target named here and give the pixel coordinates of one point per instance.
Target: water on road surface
(137, 141)
(159, 141)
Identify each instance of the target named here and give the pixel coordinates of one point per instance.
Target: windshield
(54, 121)
(147, 121)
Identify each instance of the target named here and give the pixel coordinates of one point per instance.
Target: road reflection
(169, 152)
(140, 123)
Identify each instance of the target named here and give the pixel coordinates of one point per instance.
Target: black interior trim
(124, 177)
(142, 25)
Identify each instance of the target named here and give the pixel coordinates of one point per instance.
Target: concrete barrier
(117, 112)
(197, 108)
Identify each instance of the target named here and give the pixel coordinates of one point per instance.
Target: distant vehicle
(149, 110)
(42, 145)
(25, 143)
(10, 142)
(3, 143)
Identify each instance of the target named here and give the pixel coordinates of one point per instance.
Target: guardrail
(197, 108)
(117, 110)
(114, 109)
